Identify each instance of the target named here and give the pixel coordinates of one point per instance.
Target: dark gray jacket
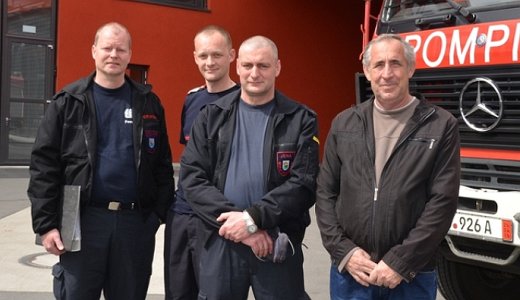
(405, 219)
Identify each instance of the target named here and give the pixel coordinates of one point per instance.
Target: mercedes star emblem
(480, 104)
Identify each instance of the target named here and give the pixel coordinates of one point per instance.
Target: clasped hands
(367, 272)
(234, 229)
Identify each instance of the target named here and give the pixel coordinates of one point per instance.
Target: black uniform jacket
(64, 152)
(290, 165)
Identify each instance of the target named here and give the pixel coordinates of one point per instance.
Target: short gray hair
(257, 42)
(409, 53)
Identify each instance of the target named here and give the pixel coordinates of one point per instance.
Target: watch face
(251, 228)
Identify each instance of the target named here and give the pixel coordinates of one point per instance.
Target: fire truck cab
(467, 55)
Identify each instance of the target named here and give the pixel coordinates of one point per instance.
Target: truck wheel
(458, 281)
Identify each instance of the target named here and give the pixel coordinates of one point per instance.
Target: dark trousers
(228, 269)
(181, 256)
(116, 256)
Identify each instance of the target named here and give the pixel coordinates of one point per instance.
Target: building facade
(46, 44)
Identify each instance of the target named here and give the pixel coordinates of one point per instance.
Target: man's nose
(254, 71)
(387, 71)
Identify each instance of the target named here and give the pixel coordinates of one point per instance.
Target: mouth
(111, 63)
(388, 86)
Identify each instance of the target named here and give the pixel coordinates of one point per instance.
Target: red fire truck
(468, 63)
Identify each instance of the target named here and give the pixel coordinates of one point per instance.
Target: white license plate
(481, 227)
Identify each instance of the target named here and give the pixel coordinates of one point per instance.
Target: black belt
(114, 205)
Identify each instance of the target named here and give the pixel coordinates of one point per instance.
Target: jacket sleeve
(164, 173)
(328, 190)
(196, 175)
(293, 198)
(182, 137)
(417, 250)
(45, 172)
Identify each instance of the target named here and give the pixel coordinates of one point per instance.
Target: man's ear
(410, 72)
(232, 55)
(367, 74)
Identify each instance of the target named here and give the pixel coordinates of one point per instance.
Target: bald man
(249, 173)
(106, 136)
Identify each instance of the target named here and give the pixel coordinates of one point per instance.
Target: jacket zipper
(370, 153)
(269, 137)
(139, 146)
(86, 115)
(376, 188)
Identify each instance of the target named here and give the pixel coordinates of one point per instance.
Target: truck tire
(459, 281)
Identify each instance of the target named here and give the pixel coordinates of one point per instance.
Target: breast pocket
(351, 149)
(418, 155)
(428, 142)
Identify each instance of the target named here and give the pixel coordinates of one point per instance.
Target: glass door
(27, 74)
(27, 86)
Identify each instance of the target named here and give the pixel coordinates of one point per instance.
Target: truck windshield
(400, 10)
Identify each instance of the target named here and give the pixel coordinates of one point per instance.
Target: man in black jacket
(106, 135)
(249, 173)
(388, 184)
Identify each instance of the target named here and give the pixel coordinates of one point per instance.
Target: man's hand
(260, 242)
(383, 275)
(360, 267)
(234, 227)
(51, 241)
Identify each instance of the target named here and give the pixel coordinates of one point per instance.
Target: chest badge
(284, 161)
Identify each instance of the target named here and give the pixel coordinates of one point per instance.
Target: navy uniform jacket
(290, 152)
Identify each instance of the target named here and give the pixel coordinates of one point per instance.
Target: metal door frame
(5, 65)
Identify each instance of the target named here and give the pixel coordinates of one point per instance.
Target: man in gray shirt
(249, 172)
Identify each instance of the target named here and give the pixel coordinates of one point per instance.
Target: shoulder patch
(196, 89)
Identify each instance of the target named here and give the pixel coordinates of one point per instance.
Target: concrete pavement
(25, 267)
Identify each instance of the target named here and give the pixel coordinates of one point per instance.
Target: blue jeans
(343, 286)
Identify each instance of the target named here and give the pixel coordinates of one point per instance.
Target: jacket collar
(423, 109)
(284, 105)
(78, 88)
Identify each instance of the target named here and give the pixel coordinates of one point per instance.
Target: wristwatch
(251, 226)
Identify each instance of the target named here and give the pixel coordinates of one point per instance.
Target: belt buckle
(112, 205)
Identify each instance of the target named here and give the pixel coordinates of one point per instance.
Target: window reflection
(29, 18)
(27, 71)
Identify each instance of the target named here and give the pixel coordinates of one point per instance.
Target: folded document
(70, 230)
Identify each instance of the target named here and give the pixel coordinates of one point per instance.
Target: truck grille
(491, 174)
(443, 87)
